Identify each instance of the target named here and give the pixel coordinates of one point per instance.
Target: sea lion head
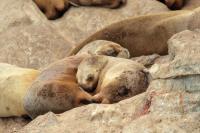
(117, 87)
(113, 49)
(52, 9)
(89, 71)
(104, 47)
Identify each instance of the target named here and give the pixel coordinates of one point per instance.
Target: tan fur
(114, 79)
(54, 9)
(14, 83)
(56, 89)
(102, 47)
(148, 34)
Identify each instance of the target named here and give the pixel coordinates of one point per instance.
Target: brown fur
(102, 47)
(54, 9)
(148, 34)
(173, 4)
(113, 79)
(56, 89)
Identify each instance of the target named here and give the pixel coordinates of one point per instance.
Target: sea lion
(147, 34)
(173, 4)
(54, 9)
(111, 79)
(56, 89)
(14, 83)
(103, 47)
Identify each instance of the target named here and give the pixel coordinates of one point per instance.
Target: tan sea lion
(54, 9)
(56, 89)
(147, 34)
(14, 83)
(103, 47)
(111, 79)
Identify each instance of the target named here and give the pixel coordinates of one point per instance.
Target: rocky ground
(171, 103)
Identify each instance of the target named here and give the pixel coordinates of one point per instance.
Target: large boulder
(26, 37)
(171, 103)
(79, 23)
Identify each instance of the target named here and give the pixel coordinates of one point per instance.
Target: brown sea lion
(54, 9)
(56, 89)
(147, 34)
(174, 4)
(111, 79)
(103, 47)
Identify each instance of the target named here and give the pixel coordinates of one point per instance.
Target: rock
(170, 123)
(91, 118)
(14, 82)
(12, 125)
(33, 46)
(171, 103)
(182, 63)
(147, 61)
(26, 37)
(79, 23)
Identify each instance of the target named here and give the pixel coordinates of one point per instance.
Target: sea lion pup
(54, 9)
(14, 83)
(103, 47)
(145, 35)
(111, 79)
(56, 89)
(173, 4)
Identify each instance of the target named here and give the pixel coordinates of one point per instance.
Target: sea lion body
(54, 9)
(14, 83)
(56, 89)
(117, 78)
(147, 34)
(173, 4)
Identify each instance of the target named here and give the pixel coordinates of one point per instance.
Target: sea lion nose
(123, 1)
